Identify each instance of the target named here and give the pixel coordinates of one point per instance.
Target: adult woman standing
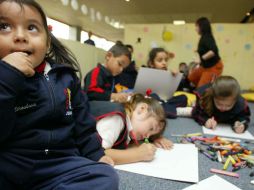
(211, 65)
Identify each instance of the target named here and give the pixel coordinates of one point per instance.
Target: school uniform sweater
(46, 114)
(239, 112)
(128, 77)
(99, 84)
(114, 129)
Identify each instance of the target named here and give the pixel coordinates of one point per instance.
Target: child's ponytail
(206, 102)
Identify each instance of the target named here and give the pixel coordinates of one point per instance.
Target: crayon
(230, 139)
(219, 156)
(194, 134)
(208, 155)
(226, 164)
(187, 135)
(242, 164)
(243, 122)
(236, 169)
(232, 159)
(224, 172)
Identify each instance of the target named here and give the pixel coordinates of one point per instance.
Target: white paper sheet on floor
(180, 163)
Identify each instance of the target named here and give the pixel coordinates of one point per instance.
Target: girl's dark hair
(152, 55)
(120, 49)
(57, 52)
(204, 26)
(223, 87)
(154, 109)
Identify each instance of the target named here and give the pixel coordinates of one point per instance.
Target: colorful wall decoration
(235, 42)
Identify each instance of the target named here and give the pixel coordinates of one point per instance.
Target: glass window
(99, 42)
(84, 36)
(59, 29)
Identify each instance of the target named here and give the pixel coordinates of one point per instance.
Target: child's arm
(199, 114)
(241, 122)
(11, 84)
(144, 152)
(87, 139)
(95, 86)
(208, 55)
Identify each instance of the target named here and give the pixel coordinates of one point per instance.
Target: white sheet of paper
(159, 81)
(226, 131)
(180, 163)
(212, 183)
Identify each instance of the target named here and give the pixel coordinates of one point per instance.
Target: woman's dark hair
(57, 51)
(152, 55)
(223, 87)
(204, 26)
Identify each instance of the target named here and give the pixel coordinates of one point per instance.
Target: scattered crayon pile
(224, 150)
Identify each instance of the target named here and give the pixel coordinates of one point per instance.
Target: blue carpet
(131, 181)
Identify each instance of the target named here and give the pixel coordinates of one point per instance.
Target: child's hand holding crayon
(146, 151)
(239, 127)
(164, 143)
(211, 123)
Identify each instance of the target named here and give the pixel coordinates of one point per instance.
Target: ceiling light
(178, 22)
(98, 16)
(84, 9)
(127, 0)
(74, 4)
(107, 20)
(121, 26)
(65, 2)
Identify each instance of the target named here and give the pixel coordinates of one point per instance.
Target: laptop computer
(160, 82)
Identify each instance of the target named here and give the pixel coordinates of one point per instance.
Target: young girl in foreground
(221, 102)
(48, 139)
(144, 119)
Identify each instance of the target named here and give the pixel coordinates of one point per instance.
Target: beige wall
(88, 56)
(235, 42)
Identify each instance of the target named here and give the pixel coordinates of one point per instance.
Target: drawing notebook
(160, 82)
(226, 131)
(180, 163)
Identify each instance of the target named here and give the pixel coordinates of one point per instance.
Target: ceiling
(145, 11)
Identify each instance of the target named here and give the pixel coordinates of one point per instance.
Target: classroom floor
(131, 181)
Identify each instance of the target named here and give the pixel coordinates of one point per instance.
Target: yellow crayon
(226, 164)
(193, 134)
(232, 159)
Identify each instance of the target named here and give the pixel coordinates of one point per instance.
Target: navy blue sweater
(44, 114)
